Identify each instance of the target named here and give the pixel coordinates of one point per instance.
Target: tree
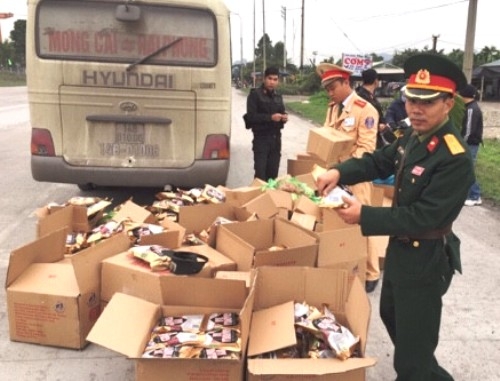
(457, 56)
(486, 55)
(18, 37)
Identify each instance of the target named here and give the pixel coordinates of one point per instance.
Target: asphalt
(469, 346)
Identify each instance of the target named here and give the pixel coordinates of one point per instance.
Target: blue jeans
(474, 191)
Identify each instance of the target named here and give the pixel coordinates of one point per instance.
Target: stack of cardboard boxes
(272, 250)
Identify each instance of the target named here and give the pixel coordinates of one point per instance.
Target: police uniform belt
(429, 234)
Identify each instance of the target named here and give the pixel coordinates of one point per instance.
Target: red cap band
(331, 74)
(424, 80)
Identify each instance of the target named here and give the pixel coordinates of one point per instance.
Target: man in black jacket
(472, 132)
(266, 117)
(367, 92)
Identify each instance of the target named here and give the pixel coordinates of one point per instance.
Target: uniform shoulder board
(453, 144)
(360, 103)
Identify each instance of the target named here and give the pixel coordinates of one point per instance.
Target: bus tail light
(216, 147)
(41, 142)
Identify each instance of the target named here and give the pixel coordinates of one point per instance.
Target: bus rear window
(89, 30)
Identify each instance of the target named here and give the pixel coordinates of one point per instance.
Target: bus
(129, 93)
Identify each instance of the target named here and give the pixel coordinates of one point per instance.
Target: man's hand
(327, 181)
(351, 211)
(279, 117)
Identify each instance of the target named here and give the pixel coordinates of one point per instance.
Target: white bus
(129, 93)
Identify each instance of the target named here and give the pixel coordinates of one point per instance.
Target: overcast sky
(361, 27)
(356, 27)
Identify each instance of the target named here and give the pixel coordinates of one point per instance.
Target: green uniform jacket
(436, 178)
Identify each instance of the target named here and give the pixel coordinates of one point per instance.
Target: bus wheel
(87, 187)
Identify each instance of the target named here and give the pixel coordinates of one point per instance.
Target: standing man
(472, 132)
(356, 117)
(367, 92)
(266, 117)
(434, 172)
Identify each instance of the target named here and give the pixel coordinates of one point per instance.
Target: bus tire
(87, 187)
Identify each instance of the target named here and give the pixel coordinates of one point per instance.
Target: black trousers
(266, 156)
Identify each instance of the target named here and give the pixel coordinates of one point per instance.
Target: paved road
(469, 347)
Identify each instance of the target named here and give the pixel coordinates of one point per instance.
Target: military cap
(329, 72)
(431, 75)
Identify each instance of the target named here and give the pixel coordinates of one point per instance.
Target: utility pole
(302, 39)
(469, 40)
(263, 37)
(283, 14)
(434, 42)
(254, 44)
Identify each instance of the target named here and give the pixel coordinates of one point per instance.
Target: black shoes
(370, 285)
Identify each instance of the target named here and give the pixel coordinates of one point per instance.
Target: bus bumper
(56, 170)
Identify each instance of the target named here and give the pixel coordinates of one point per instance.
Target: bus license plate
(129, 133)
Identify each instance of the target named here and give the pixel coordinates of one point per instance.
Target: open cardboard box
(52, 299)
(242, 195)
(125, 326)
(328, 144)
(272, 327)
(342, 246)
(199, 218)
(72, 217)
(249, 243)
(126, 274)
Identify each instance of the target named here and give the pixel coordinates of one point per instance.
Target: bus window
(129, 95)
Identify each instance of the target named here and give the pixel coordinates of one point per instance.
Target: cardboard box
(73, 218)
(76, 218)
(53, 300)
(242, 195)
(297, 167)
(133, 212)
(198, 218)
(342, 246)
(388, 190)
(329, 144)
(263, 206)
(249, 243)
(272, 328)
(126, 323)
(126, 274)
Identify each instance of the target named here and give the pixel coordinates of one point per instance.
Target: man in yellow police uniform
(434, 172)
(353, 115)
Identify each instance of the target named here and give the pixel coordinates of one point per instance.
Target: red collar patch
(432, 145)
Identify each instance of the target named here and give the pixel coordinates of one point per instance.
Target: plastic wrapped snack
(334, 198)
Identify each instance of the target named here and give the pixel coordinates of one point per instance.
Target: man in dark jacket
(266, 117)
(434, 172)
(472, 132)
(395, 115)
(367, 92)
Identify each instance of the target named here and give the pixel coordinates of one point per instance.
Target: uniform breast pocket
(413, 182)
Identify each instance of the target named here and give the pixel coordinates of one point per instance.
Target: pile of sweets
(77, 241)
(204, 336)
(167, 204)
(319, 335)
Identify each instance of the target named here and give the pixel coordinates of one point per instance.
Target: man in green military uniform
(434, 172)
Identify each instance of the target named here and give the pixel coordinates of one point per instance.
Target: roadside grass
(8, 78)
(488, 160)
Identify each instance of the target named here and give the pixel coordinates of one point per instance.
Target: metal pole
(254, 43)
(263, 37)
(302, 39)
(469, 40)
(283, 13)
(241, 50)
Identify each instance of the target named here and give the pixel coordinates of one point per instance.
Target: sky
(332, 27)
